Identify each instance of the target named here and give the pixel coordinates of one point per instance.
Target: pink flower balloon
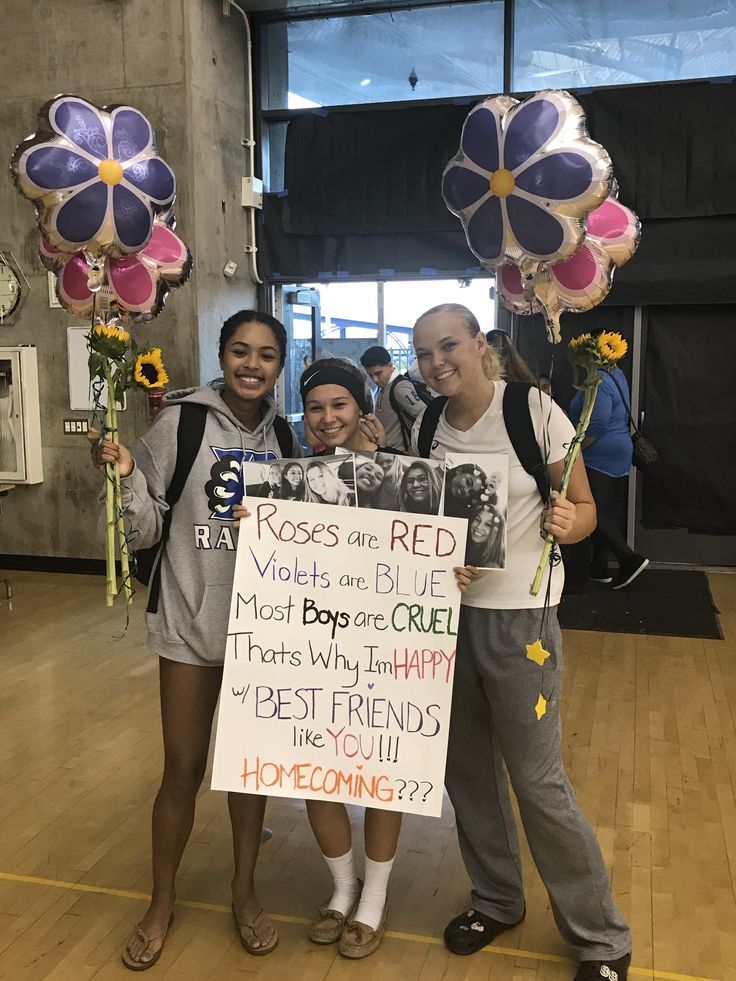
(134, 288)
(581, 282)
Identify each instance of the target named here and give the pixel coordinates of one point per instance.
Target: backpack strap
(284, 435)
(189, 435)
(518, 421)
(632, 424)
(405, 429)
(428, 425)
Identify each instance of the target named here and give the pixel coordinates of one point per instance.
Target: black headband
(332, 374)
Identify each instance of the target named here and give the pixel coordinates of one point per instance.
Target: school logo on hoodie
(225, 486)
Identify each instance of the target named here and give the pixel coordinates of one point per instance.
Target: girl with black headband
(337, 408)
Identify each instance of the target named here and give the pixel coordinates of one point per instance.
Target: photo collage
(461, 486)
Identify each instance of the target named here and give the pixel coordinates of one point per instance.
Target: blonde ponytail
(491, 364)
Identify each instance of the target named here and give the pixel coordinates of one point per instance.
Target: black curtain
(690, 417)
(363, 194)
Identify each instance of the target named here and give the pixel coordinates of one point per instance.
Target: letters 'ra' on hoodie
(199, 558)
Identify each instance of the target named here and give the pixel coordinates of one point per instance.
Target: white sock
(373, 897)
(345, 883)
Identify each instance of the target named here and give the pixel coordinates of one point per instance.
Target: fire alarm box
(20, 417)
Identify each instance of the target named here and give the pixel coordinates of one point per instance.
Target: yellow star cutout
(535, 652)
(541, 707)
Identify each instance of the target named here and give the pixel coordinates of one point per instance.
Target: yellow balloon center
(502, 182)
(111, 172)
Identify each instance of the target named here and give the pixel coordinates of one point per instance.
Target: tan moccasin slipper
(360, 940)
(327, 925)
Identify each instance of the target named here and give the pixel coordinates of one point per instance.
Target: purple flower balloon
(94, 175)
(524, 178)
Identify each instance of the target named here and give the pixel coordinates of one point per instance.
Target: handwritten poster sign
(340, 656)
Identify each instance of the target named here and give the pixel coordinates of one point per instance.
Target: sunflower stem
(110, 470)
(120, 520)
(592, 382)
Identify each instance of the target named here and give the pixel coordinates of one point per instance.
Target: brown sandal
(139, 965)
(248, 932)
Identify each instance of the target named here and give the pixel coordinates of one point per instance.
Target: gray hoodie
(199, 559)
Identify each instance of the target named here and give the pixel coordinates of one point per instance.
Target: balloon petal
(558, 176)
(133, 283)
(73, 281)
(537, 231)
(80, 122)
(81, 216)
(511, 279)
(485, 230)
(51, 167)
(461, 188)
(616, 229)
(578, 273)
(480, 139)
(529, 128)
(154, 178)
(132, 218)
(131, 133)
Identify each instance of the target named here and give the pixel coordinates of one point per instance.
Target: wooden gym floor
(650, 745)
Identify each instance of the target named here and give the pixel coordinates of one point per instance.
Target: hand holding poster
(341, 649)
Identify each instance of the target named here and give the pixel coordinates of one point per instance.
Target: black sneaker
(601, 575)
(604, 970)
(629, 570)
(472, 931)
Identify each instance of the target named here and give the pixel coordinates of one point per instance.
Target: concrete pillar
(182, 64)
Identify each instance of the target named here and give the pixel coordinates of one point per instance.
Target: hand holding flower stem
(587, 355)
(108, 361)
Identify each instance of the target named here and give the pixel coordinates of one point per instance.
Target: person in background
(398, 404)
(607, 452)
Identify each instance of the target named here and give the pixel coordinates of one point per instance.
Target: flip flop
(248, 932)
(139, 965)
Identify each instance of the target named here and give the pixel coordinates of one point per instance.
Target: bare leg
(331, 826)
(246, 817)
(188, 698)
(381, 833)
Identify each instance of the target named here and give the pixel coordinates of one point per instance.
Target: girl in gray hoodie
(188, 630)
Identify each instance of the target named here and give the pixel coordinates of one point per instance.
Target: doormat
(667, 602)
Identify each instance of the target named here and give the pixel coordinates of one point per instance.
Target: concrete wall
(182, 64)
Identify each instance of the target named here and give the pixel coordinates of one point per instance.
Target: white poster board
(340, 656)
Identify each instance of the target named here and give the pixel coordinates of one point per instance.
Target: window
(416, 53)
(585, 43)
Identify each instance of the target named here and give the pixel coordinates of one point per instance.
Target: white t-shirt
(508, 589)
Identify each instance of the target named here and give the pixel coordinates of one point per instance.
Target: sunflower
(577, 341)
(611, 346)
(149, 369)
(109, 340)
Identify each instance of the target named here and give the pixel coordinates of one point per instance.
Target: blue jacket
(609, 425)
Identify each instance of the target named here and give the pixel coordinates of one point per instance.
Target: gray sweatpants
(494, 723)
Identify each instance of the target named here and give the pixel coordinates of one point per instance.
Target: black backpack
(189, 434)
(407, 422)
(518, 422)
